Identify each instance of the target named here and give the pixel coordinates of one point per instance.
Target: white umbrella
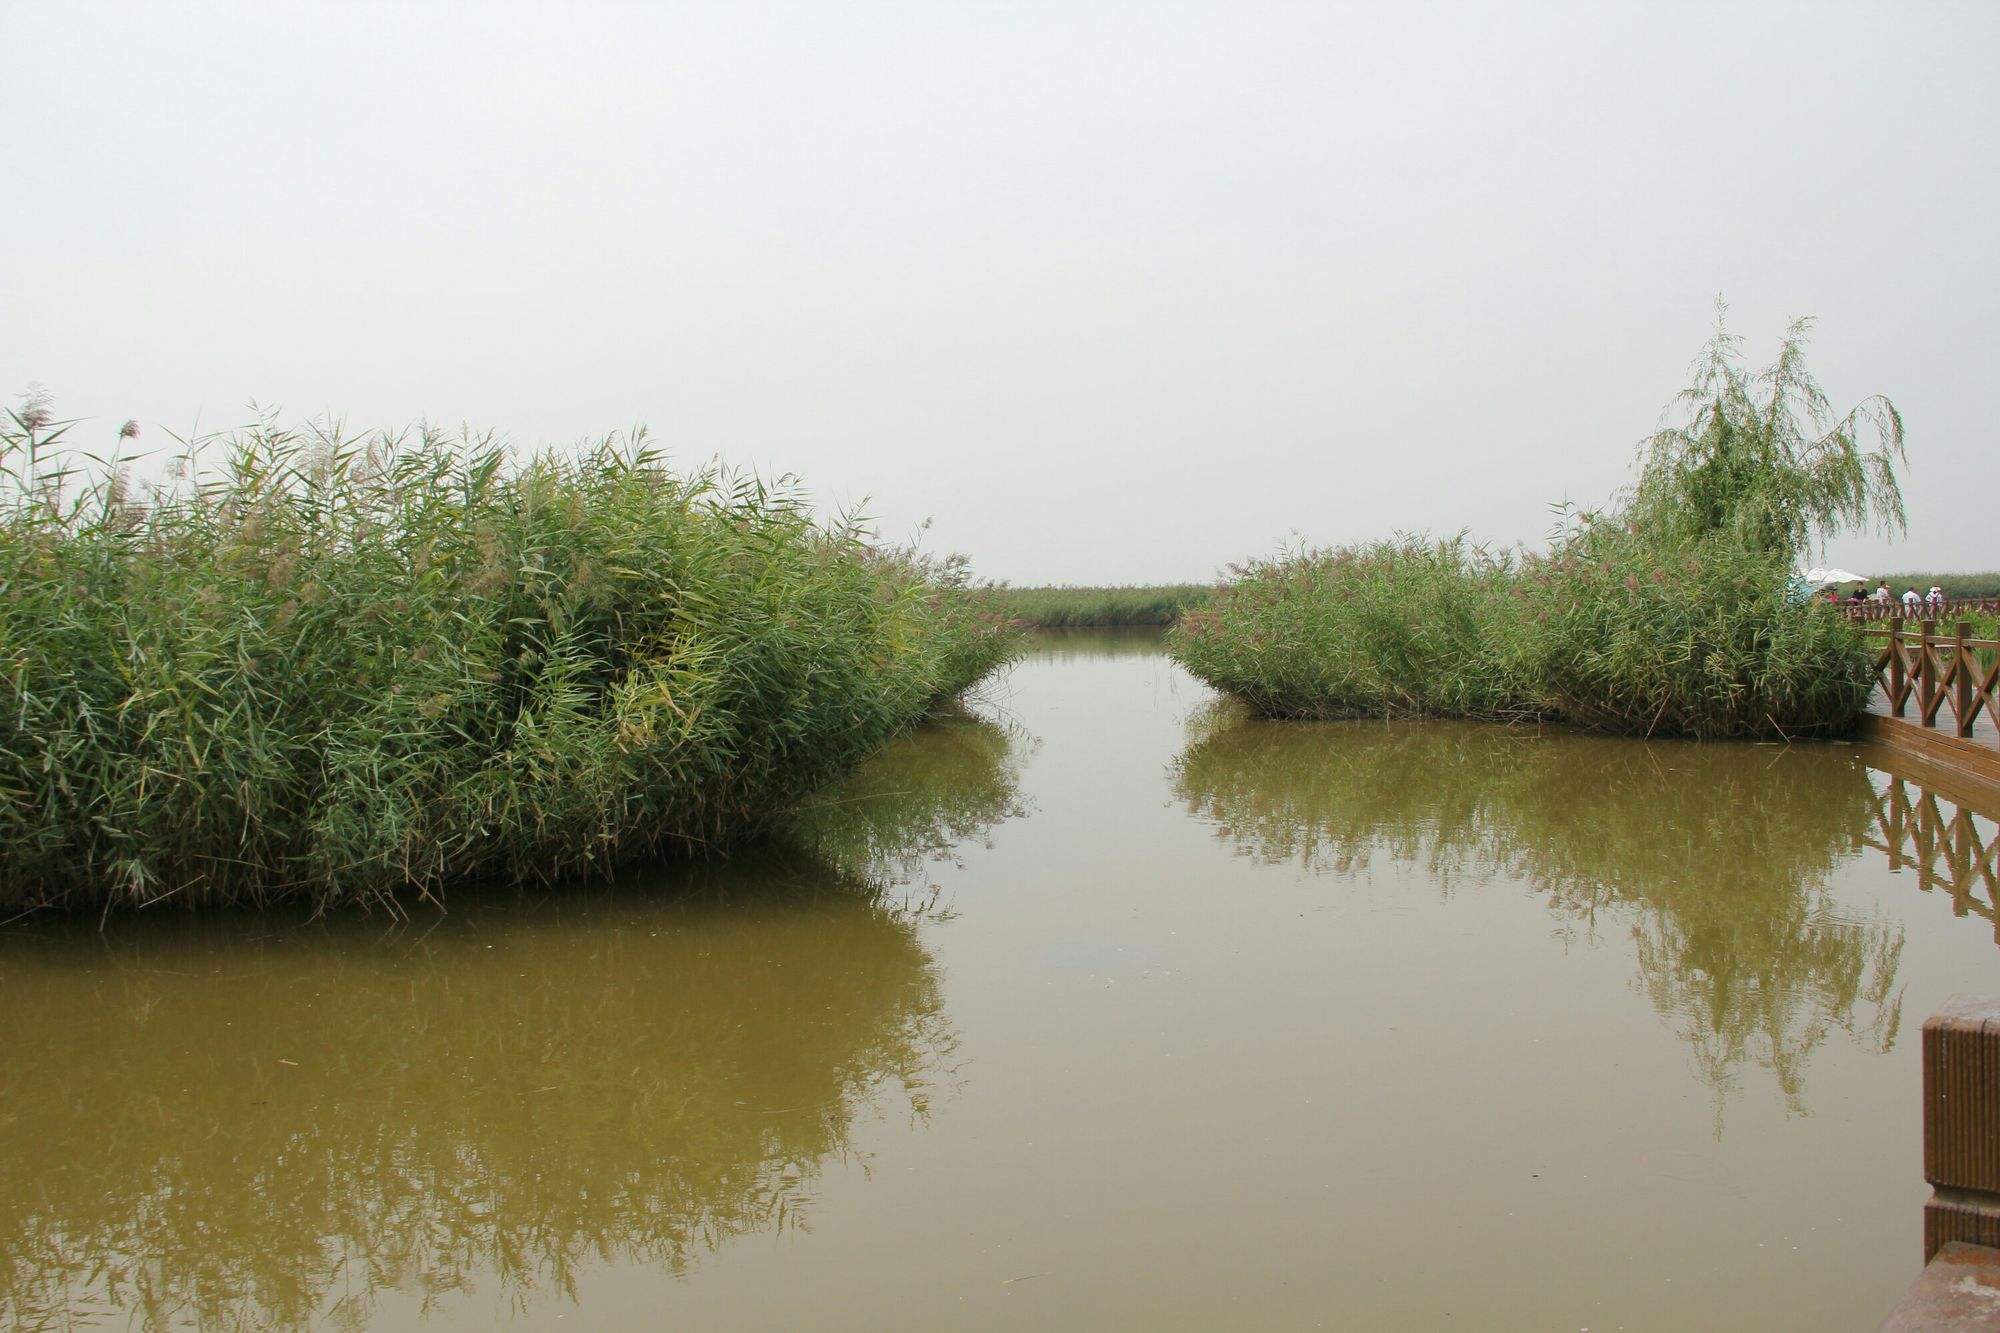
(1826, 578)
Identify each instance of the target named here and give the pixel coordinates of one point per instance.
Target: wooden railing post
(1960, 1285)
(1961, 679)
(1962, 1122)
(1926, 676)
(1898, 691)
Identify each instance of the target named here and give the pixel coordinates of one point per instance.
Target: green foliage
(1103, 608)
(337, 667)
(1406, 626)
(1672, 615)
(1633, 631)
(1617, 630)
(1765, 458)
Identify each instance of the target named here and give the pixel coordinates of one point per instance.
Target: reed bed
(341, 668)
(1623, 631)
(1615, 631)
(1391, 628)
(1671, 612)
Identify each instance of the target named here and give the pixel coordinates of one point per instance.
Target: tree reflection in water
(1717, 857)
(254, 1122)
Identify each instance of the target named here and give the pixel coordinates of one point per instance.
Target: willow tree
(1765, 458)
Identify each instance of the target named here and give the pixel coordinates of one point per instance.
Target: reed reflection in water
(1715, 858)
(924, 799)
(254, 1122)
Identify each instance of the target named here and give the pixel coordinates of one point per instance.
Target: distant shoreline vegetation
(1983, 584)
(1670, 612)
(1104, 607)
(346, 668)
(1162, 605)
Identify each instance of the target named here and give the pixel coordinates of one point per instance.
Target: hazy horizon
(1113, 293)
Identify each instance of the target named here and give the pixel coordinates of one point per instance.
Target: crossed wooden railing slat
(1958, 671)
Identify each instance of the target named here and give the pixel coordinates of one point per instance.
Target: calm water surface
(1106, 1007)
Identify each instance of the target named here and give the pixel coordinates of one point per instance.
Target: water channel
(1103, 1006)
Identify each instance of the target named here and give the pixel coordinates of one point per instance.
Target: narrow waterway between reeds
(1102, 1007)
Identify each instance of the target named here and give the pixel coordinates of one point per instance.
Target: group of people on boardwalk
(1912, 601)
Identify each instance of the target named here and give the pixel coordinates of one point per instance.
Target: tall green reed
(1414, 625)
(342, 666)
(1670, 613)
(1628, 630)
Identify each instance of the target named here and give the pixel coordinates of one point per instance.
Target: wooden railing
(1936, 671)
(1950, 608)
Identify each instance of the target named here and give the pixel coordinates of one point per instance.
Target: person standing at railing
(1935, 598)
(1882, 593)
(1911, 601)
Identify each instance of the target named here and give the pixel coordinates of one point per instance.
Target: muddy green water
(1107, 1008)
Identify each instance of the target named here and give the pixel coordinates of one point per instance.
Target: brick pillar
(1962, 1123)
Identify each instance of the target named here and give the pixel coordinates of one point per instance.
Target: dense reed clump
(1103, 607)
(1630, 631)
(1679, 614)
(1674, 612)
(338, 667)
(1396, 627)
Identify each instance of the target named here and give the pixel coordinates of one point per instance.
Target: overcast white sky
(1115, 292)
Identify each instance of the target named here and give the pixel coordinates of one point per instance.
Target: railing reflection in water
(1943, 843)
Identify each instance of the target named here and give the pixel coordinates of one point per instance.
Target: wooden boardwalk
(1965, 768)
(1935, 703)
(1983, 728)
